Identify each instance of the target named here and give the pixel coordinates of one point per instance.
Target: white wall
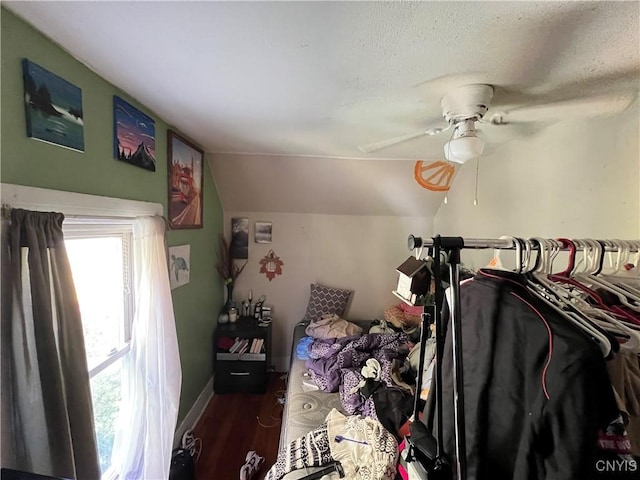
(574, 179)
(345, 251)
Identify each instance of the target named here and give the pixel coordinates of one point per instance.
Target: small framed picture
(263, 232)
(239, 238)
(179, 265)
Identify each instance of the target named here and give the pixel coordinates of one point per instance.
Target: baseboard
(195, 412)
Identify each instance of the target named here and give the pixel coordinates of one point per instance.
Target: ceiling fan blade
(372, 147)
(597, 105)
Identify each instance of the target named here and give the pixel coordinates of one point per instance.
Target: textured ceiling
(321, 78)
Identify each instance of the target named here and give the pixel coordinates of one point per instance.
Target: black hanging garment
(536, 388)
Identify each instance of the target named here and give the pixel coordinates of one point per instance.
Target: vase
(229, 303)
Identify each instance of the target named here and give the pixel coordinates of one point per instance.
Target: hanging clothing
(624, 371)
(536, 389)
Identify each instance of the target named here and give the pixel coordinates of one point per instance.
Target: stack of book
(247, 345)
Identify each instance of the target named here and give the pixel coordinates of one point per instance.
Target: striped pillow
(326, 300)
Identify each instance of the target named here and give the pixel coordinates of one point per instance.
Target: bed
(306, 407)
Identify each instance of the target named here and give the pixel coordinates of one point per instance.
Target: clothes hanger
(601, 318)
(629, 280)
(615, 309)
(535, 245)
(549, 249)
(543, 257)
(496, 262)
(585, 320)
(600, 338)
(627, 298)
(557, 297)
(526, 256)
(522, 256)
(563, 278)
(578, 320)
(584, 315)
(621, 257)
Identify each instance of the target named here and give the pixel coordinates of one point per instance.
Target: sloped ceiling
(281, 94)
(289, 184)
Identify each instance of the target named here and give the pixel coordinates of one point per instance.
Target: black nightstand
(241, 372)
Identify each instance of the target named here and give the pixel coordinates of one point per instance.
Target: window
(101, 263)
(98, 235)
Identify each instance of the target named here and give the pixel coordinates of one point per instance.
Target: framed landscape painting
(185, 182)
(263, 232)
(134, 135)
(53, 108)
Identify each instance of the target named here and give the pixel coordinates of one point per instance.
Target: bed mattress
(304, 408)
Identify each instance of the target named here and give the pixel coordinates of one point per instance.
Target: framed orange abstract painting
(185, 182)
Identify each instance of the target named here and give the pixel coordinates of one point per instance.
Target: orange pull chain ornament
(271, 265)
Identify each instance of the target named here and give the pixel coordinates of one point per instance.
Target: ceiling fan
(466, 106)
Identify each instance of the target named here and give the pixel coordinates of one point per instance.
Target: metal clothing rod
(497, 243)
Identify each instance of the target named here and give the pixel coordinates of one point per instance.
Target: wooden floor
(229, 428)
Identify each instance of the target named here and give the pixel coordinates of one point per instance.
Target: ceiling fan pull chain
(475, 199)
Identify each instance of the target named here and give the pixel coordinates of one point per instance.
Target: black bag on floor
(182, 467)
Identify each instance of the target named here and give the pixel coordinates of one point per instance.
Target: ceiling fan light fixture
(462, 149)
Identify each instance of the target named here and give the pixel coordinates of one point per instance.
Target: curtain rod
(414, 242)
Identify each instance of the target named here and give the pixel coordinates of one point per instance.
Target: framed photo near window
(185, 182)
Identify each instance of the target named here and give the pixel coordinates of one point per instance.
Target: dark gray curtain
(46, 385)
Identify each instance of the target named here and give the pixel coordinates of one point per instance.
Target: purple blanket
(335, 365)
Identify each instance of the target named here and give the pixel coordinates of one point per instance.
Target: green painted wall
(25, 161)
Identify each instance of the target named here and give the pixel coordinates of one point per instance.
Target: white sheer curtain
(143, 443)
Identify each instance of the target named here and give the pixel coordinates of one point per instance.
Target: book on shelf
(244, 348)
(235, 345)
(247, 345)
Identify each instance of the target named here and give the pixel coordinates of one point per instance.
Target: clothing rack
(452, 246)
